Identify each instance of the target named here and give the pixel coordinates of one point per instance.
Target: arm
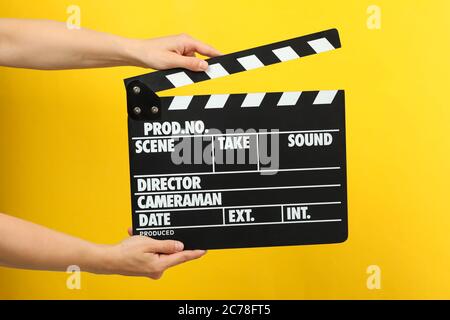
(44, 44)
(27, 245)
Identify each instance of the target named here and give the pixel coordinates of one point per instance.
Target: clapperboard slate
(239, 170)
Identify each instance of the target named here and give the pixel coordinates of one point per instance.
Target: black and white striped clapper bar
(239, 170)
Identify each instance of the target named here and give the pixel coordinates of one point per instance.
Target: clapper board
(238, 170)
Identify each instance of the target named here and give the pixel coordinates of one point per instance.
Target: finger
(181, 257)
(130, 231)
(164, 246)
(204, 48)
(156, 275)
(191, 63)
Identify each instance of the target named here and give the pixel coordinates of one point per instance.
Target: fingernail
(203, 65)
(179, 245)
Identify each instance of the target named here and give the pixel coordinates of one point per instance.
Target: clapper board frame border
(144, 104)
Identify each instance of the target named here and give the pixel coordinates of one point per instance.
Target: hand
(62, 48)
(143, 256)
(171, 52)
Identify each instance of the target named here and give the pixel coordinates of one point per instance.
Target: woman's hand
(44, 44)
(30, 246)
(142, 256)
(170, 52)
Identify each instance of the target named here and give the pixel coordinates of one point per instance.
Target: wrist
(98, 259)
(131, 51)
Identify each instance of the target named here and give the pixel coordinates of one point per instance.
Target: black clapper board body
(239, 170)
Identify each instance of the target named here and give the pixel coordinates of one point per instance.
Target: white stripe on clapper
(253, 100)
(216, 71)
(217, 101)
(289, 98)
(179, 79)
(180, 102)
(325, 97)
(321, 45)
(285, 53)
(250, 62)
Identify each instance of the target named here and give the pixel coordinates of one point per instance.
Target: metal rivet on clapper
(136, 90)
(155, 110)
(137, 110)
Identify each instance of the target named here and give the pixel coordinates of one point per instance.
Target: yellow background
(64, 156)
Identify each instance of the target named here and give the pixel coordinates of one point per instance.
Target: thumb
(191, 63)
(165, 246)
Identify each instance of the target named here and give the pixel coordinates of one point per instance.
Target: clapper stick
(141, 89)
(239, 170)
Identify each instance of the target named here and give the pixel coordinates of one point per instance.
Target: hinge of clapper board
(144, 104)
